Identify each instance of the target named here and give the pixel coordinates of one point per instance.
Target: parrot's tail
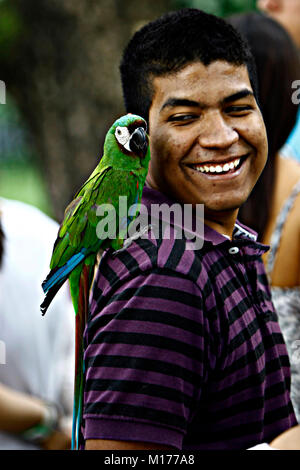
(81, 320)
(50, 296)
(57, 277)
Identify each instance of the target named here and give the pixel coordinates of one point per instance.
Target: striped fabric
(183, 347)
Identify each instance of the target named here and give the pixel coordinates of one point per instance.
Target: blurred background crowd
(59, 60)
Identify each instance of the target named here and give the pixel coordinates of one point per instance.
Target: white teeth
(218, 168)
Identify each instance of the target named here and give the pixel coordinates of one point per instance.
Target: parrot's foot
(131, 239)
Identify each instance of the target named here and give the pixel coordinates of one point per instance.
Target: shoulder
(29, 235)
(27, 220)
(141, 283)
(146, 254)
(154, 261)
(287, 180)
(289, 169)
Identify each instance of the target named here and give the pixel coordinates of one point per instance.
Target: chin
(227, 207)
(230, 205)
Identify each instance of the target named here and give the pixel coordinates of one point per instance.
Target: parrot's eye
(122, 135)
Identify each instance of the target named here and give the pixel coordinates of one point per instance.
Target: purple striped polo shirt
(183, 348)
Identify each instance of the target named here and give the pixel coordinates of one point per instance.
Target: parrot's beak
(138, 142)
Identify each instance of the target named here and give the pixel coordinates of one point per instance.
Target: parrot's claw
(131, 239)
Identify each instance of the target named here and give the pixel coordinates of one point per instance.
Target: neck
(222, 222)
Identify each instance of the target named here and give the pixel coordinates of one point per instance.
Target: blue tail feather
(63, 272)
(57, 277)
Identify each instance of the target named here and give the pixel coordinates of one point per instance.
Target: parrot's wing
(78, 232)
(116, 183)
(68, 240)
(78, 238)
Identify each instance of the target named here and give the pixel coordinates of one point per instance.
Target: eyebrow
(176, 102)
(237, 96)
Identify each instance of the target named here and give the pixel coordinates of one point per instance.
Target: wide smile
(220, 170)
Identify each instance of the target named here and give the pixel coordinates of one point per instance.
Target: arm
(20, 412)
(105, 444)
(289, 440)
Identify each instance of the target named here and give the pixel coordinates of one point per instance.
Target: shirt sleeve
(144, 358)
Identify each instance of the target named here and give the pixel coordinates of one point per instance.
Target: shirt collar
(242, 234)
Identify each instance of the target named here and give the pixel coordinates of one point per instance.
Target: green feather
(119, 173)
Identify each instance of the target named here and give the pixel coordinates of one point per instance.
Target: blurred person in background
(37, 354)
(273, 208)
(287, 13)
(20, 412)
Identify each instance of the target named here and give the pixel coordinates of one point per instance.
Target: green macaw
(121, 172)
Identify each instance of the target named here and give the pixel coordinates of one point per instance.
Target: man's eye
(240, 110)
(182, 118)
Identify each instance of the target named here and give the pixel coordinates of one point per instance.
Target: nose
(216, 132)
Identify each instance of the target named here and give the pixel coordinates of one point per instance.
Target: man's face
(207, 136)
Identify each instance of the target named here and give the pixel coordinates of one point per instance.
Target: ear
(270, 6)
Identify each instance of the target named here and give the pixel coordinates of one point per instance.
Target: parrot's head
(128, 142)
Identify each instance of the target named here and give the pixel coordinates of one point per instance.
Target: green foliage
(20, 178)
(10, 29)
(217, 7)
(237, 6)
(22, 181)
(210, 6)
(14, 145)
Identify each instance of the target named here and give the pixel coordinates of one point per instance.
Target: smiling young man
(183, 349)
(208, 142)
